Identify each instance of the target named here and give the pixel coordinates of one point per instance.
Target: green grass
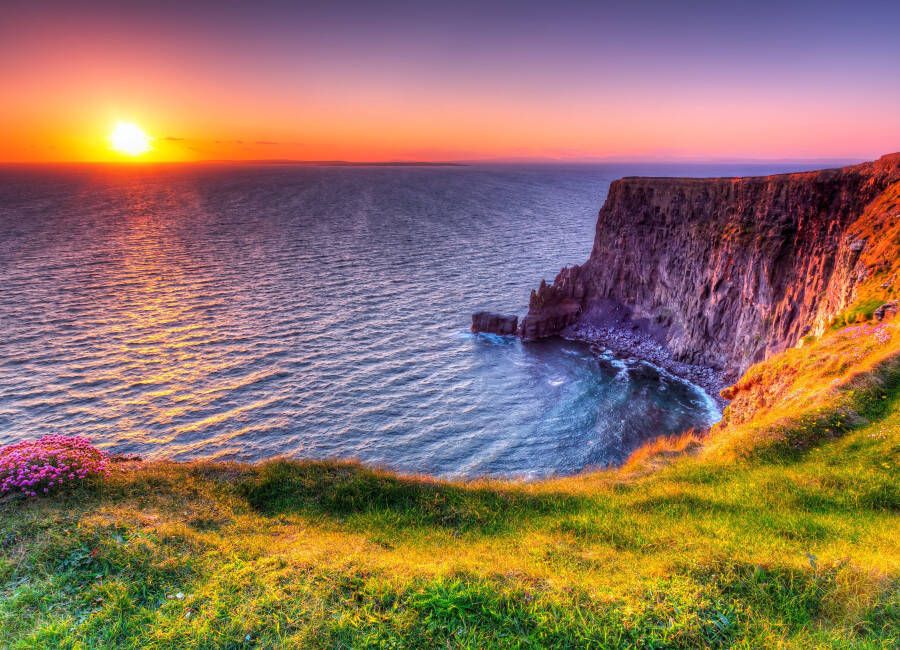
(859, 312)
(793, 549)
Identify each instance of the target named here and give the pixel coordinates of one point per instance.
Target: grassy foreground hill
(778, 529)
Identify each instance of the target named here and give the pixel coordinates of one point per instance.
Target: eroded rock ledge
(720, 273)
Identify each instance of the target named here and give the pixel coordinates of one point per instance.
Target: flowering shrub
(44, 465)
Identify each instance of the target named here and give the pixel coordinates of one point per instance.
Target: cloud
(171, 138)
(265, 142)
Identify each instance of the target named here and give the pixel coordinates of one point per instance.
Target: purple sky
(386, 80)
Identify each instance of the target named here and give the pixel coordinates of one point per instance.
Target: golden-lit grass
(821, 389)
(657, 452)
(795, 547)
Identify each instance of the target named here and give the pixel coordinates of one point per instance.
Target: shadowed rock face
(724, 271)
(553, 307)
(491, 323)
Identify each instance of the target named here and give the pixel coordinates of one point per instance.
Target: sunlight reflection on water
(245, 313)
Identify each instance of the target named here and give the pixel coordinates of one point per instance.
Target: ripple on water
(244, 313)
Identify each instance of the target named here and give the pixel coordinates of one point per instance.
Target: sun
(129, 139)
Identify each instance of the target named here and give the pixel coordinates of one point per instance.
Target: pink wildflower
(39, 465)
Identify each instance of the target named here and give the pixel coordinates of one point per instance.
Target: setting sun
(129, 139)
(469, 324)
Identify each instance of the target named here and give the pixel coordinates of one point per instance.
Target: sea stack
(492, 323)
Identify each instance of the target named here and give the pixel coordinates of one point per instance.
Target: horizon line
(464, 162)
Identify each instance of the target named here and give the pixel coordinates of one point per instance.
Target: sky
(374, 81)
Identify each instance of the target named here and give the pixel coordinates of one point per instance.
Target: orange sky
(279, 83)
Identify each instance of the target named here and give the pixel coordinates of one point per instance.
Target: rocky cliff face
(724, 272)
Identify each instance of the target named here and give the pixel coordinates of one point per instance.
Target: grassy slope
(778, 543)
(780, 529)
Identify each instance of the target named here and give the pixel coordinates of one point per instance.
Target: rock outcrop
(887, 310)
(724, 272)
(491, 323)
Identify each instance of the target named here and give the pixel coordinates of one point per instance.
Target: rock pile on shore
(632, 345)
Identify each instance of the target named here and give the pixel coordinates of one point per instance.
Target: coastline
(631, 346)
(221, 554)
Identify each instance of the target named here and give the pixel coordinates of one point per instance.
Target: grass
(778, 529)
(795, 547)
(859, 312)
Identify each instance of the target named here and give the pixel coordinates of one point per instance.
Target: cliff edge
(725, 272)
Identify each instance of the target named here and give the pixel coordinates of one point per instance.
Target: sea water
(245, 312)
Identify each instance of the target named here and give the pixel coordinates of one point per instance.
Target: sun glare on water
(129, 139)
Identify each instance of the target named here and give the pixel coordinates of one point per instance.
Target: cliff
(725, 272)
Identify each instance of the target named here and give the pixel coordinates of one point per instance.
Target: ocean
(245, 312)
